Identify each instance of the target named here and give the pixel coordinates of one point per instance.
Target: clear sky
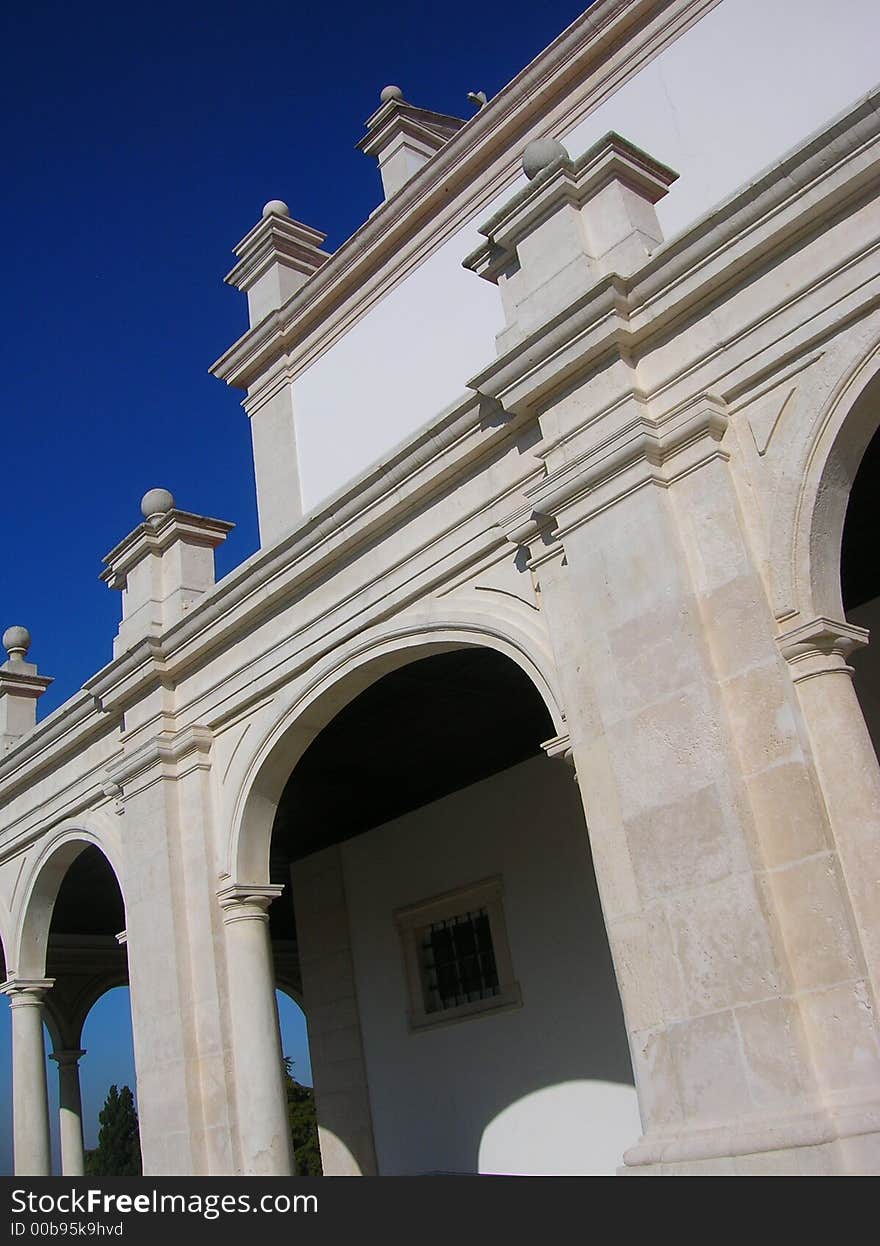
(140, 143)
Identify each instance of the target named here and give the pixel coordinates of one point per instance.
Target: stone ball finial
(390, 93)
(16, 642)
(156, 502)
(275, 207)
(540, 153)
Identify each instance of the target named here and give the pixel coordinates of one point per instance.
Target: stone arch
(825, 479)
(41, 885)
(337, 680)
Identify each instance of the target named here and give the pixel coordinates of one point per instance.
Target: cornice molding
(566, 181)
(625, 314)
(157, 537)
(164, 753)
(27, 684)
(639, 441)
(277, 239)
(604, 46)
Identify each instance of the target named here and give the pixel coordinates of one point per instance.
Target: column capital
(560, 747)
(25, 992)
(248, 903)
(821, 647)
(71, 1056)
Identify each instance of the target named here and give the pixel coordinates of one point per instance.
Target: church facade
(533, 752)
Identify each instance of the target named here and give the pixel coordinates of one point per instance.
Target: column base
(839, 1140)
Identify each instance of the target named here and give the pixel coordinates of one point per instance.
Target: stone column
(30, 1103)
(263, 1127)
(342, 1097)
(846, 763)
(70, 1112)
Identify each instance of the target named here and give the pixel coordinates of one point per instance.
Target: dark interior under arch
(860, 581)
(430, 728)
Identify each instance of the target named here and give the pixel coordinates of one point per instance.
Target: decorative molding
(821, 647)
(165, 751)
(641, 442)
(765, 418)
(560, 746)
(248, 903)
(113, 791)
(71, 1056)
(624, 315)
(277, 240)
(566, 183)
(26, 991)
(155, 538)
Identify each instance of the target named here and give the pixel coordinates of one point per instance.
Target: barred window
(456, 955)
(458, 961)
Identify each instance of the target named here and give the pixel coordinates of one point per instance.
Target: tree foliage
(303, 1124)
(118, 1153)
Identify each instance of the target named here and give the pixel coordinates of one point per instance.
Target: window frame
(414, 919)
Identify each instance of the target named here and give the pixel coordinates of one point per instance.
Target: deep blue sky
(140, 143)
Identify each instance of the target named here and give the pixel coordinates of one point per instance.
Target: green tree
(303, 1124)
(118, 1153)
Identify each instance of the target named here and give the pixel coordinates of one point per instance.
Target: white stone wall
(747, 82)
(545, 1088)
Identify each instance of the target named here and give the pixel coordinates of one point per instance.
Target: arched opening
(109, 1059)
(76, 912)
(860, 579)
(298, 1084)
(442, 924)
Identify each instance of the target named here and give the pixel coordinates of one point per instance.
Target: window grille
(458, 961)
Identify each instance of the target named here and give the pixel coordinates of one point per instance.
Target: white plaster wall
(401, 364)
(750, 80)
(545, 1088)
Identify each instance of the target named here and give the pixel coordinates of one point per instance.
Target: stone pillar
(342, 1100)
(263, 1126)
(30, 1103)
(162, 568)
(70, 1112)
(403, 138)
(20, 688)
(740, 967)
(846, 763)
(741, 971)
(275, 260)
